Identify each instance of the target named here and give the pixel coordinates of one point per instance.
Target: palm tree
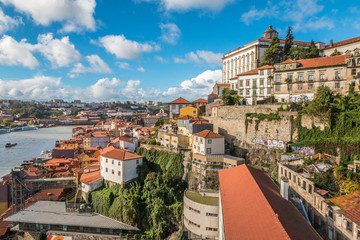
(288, 82)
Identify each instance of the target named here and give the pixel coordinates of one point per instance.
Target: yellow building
(69, 144)
(189, 111)
(87, 141)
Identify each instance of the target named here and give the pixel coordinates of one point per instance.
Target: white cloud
(141, 69)
(60, 52)
(75, 15)
(170, 33)
(186, 5)
(13, 53)
(201, 57)
(126, 49)
(302, 14)
(124, 65)
(106, 89)
(161, 59)
(7, 22)
(96, 65)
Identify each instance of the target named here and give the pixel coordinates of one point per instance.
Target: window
(112, 171)
(281, 170)
(137, 161)
(211, 229)
(310, 86)
(261, 82)
(119, 173)
(299, 181)
(247, 92)
(241, 92)
(331, 214)
(277, 88)
(194, 112)
(196, 139)
(289, 87)
(337, 85)
(349, 225)
(241, 83)
(284, 68)
(112, 161)
(285, 173)
(289, 175)
(106, 169)
(64, 228)
(211, 214)
(322, 76)
(337, 75)
(261, 91)
(269, 91)
(299, 86)
(209, 141)
(277, 78)
(311, 77)
(254, 93)
(119, 163)
(106, 160)
(290, 77)
(261, 72)
(310, 189)
(278, 67)
(254, 83)
(358, 233)
(300, 77)
(268, 82)
(294, 179)
(304, 185)
(201, 140)
(353, 71)
(247, 82)
(269, 71)
(208, 150)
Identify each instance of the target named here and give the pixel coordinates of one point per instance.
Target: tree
(323, 101)
(288, 44)
(313, 51)
(230, 97)
(273, 54)
(299, 52)
(335, 53)
(288, 82)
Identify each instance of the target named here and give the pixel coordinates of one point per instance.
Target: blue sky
(105, 50)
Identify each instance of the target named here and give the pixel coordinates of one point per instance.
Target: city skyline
(141, 49)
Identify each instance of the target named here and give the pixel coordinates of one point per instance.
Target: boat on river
(10, 145)
(4, 130)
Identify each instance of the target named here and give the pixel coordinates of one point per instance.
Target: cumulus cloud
(186, 5)
(201, 57)
(124, 65)
(75, 15)
(141, 69)
(160, 59)
(13, 53)
(60, 52)
(170, 33)
(96, 65)
(303, 14)
(123, 48)
(7, 22)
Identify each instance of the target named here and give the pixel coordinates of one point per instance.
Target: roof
(350, 204)
(264, 213)
(256, 70)
(200, 100)
(344, 42)
(54, 213)
(208, 134)
(321, 61)
(88, 178)
(201, 122)
(120, 154)
(223, 84)
(180, 100)
(213, 95)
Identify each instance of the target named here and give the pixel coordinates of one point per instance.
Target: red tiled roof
(208, 134)
(344, 42)
(223, 84)
(88, 178)
(281, 40)
(266, 67)
(253, 208)
(213, 95)
(256, 70)
(201, 122)
(350, 204)
(120, 154)
(200, 100)
(322, 61)
(180, 100)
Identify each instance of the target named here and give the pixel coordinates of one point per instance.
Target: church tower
(270, 33)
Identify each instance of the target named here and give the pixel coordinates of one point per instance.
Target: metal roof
(54, 213)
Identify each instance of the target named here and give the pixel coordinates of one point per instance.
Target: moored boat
(10, 145)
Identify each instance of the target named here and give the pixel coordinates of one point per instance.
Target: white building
(207, 142)
(91, 181)
(254, 85)
(249, 56)
(125, 142)
(118, 165)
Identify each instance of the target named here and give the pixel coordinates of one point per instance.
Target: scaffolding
(21, 188)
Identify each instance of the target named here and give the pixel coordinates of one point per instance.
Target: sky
(159, 50)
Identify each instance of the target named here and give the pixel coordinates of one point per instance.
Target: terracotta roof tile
(200, 100)
(120, 154)
(223, 84)
(208, 134)
(88, 178)
(322, 61)
(251, 194)
(344, 42)
(180, 100)
(213, 95)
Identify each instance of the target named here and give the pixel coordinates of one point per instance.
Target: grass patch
(196, 197)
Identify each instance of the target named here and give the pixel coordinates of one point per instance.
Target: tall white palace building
(248, 57)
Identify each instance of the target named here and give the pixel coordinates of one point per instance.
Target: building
(175, 106)
(208, 142)
(201, 210)
(54, 217)
(174, 140)
(125, 142)
(249, 56)
(254, 85)
(189, 111)
(212, 97)
(219, 87)
(91, 181)
(200, 102)
(298, 80)
(353, 69)
(150, 120)
(118, 165)
(254, 209)
(348, 46)
(92, 140)
(188, 125)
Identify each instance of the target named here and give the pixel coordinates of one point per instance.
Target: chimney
(331, 43)
(284, 188)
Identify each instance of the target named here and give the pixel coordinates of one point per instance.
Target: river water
(29, 145)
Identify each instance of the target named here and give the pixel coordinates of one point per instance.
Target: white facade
(119, 171)
(92, 186)
(205, 146)
(127, 145)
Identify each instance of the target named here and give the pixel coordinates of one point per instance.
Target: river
(29, 145)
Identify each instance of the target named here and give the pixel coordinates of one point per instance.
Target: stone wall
(308, 121)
